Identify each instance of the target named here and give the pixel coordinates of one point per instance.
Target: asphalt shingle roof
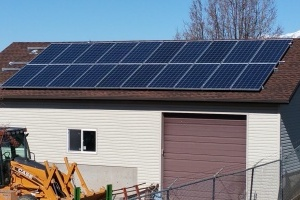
(279, 88)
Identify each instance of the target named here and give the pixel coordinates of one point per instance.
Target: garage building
(157, 135)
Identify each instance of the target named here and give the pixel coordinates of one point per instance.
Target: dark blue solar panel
(216, 52)
(93, 76)
(94, 53)
(165, 52)
(49, 54)
(113, 72)
(196, 76)
(71, 53)
(69, 76)
(24, 75)
(46, 76)
(141, 52)
(143, 76)
(254, 76)
(169, 76)
(271, 51)
(190, 52)
(117, 76)
(224, 76)
(117, 52)
(243, 51)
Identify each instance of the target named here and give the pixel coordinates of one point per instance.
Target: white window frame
(81, 141)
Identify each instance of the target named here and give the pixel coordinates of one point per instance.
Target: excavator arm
(52, 184)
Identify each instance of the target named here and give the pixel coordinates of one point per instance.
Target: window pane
(74, 140)
(89, 141)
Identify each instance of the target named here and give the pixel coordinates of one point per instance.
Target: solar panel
(216, 52)
(46, 76)
(117, 76)
(24, 75)
(224, 76)
(183, 65)
(165, 52)
(49, 54)
(191, 51)
(94, 53)
(196, 76)
(253, 77)
(141, 52)
(92, 76)
(169, 76)
(271, 51)
(69, 76)
(243, 51)
(117, 52)
(143, 76)
(71, 53)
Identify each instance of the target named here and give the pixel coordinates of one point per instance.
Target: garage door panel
(227, 189)
(190, 176)
(205, 121)
(207, 131)
(197, 147)
(209, 153)
(200, 123)
(197, 166)
(196, 176)
(195, 139)
(206, 148)
(217, 158)
(206, 193)
(193, 177)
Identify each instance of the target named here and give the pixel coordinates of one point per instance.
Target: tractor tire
(27, 197)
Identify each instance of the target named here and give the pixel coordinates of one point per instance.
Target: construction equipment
(25, 179)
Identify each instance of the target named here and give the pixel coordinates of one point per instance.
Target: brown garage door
(198, 146)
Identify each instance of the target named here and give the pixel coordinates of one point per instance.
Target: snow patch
(291, 35)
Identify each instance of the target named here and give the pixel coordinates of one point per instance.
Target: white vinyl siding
(263, 145)
(125, 138)
(263, 141)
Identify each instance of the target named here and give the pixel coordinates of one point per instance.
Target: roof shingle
(278, 89)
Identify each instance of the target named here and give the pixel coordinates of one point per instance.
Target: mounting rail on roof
(17, 63)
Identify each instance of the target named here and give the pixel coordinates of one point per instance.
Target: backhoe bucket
(66, 185)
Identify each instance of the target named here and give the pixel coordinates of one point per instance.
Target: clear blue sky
(101, 20)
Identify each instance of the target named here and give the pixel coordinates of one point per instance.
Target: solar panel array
(170, 65)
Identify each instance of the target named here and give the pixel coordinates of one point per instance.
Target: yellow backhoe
(25, 179)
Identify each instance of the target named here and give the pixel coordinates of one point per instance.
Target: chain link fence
(259, 182)
(291, 175)
(262, 181)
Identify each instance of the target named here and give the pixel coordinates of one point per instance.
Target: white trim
(279, 135)
(81, 141)
(161, 140)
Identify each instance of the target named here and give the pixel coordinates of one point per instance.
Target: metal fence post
(214, 188)
(214, 183)
(109, 192)
(77, 193)
(251, 186)
(168, 194)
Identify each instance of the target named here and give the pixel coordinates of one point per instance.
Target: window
(81, 140)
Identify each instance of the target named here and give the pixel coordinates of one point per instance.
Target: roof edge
(117, 98)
